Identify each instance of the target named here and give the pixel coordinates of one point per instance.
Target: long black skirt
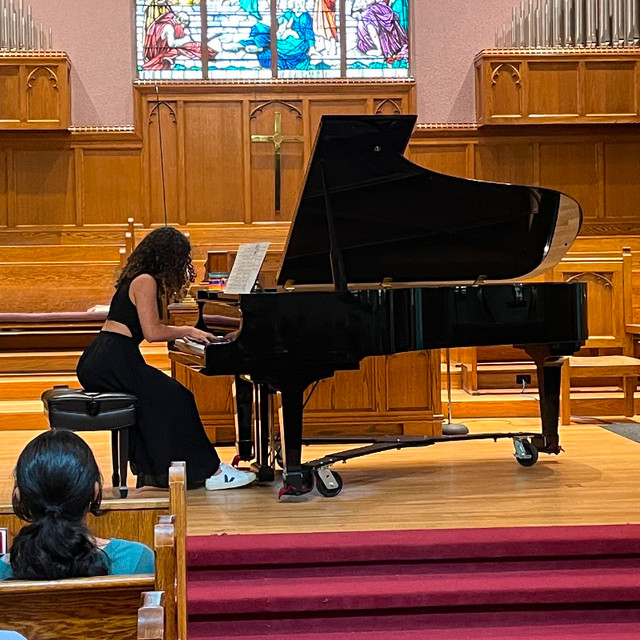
(168, 424)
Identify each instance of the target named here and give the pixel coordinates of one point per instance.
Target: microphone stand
(451, 428)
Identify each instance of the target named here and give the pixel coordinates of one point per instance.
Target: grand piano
(384, 256)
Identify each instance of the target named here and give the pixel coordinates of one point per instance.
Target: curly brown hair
(166, 255)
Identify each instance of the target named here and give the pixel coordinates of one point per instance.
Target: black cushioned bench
(80, 410)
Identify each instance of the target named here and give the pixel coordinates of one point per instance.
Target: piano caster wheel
(526, 454)
(328, 483)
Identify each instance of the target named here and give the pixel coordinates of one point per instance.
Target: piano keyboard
(189, 346)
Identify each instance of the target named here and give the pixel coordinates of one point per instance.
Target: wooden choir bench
(62, 278)
(48, 290)
(608, 353)
(46, 331)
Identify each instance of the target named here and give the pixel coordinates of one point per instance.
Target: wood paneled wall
(213, 170)
(88, 182)
(73, 180)
(79, 187)
(387, 395)
(210, 172)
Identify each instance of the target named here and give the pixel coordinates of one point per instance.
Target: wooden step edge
(506, 367)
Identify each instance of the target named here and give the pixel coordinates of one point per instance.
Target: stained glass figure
(381, 42)
(234, 28)
(326, 20)
(401, 7)
(169, 41)
(295, 38)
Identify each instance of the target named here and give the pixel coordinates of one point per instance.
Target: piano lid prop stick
(335, 253)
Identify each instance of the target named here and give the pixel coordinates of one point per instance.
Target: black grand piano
(383, 257)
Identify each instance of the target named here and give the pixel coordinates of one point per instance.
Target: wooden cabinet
(34, 90)
(395, 395)
(541, 86)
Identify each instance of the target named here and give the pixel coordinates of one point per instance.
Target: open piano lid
(396, 220)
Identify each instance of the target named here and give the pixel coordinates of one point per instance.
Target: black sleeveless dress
(168, 424)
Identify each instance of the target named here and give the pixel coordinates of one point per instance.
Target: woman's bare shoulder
(144, 280)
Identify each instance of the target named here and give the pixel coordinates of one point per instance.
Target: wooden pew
(105, 607)
(74, 278)
(60, 278)
(178, 501)
(151, 616)
(52, 331)
(158, 522)
(130, 518)
(47, 290)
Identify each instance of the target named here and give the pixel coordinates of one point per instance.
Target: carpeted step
(388, 584)
(431, 590)
(388, 546)
(620, 631)
(577, 624)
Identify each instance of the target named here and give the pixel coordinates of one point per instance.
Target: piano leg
(295, 482)
(548, 368)
(262, 430)
(243, 395)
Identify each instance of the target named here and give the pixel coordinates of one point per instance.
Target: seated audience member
(57, 482)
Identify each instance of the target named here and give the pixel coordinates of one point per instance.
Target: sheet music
(4, 540)
(246, 267)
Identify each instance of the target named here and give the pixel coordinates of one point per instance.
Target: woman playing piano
(168, 424)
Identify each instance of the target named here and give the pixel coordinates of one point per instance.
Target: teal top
(125, 557)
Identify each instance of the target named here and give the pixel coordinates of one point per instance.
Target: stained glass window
(267, 39)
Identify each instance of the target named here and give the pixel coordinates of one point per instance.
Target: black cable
(164, 191)
(315, 384)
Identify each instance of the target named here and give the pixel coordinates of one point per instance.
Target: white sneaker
(229, 478)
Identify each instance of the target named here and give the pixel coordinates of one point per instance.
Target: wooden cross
(277, 139)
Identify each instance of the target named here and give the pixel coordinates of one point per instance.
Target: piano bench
(80, 410)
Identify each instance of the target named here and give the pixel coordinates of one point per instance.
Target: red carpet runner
(563, 583)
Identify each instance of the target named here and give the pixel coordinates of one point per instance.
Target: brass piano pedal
(296, 483)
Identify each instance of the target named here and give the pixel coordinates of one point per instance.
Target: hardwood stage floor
(465, 484)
